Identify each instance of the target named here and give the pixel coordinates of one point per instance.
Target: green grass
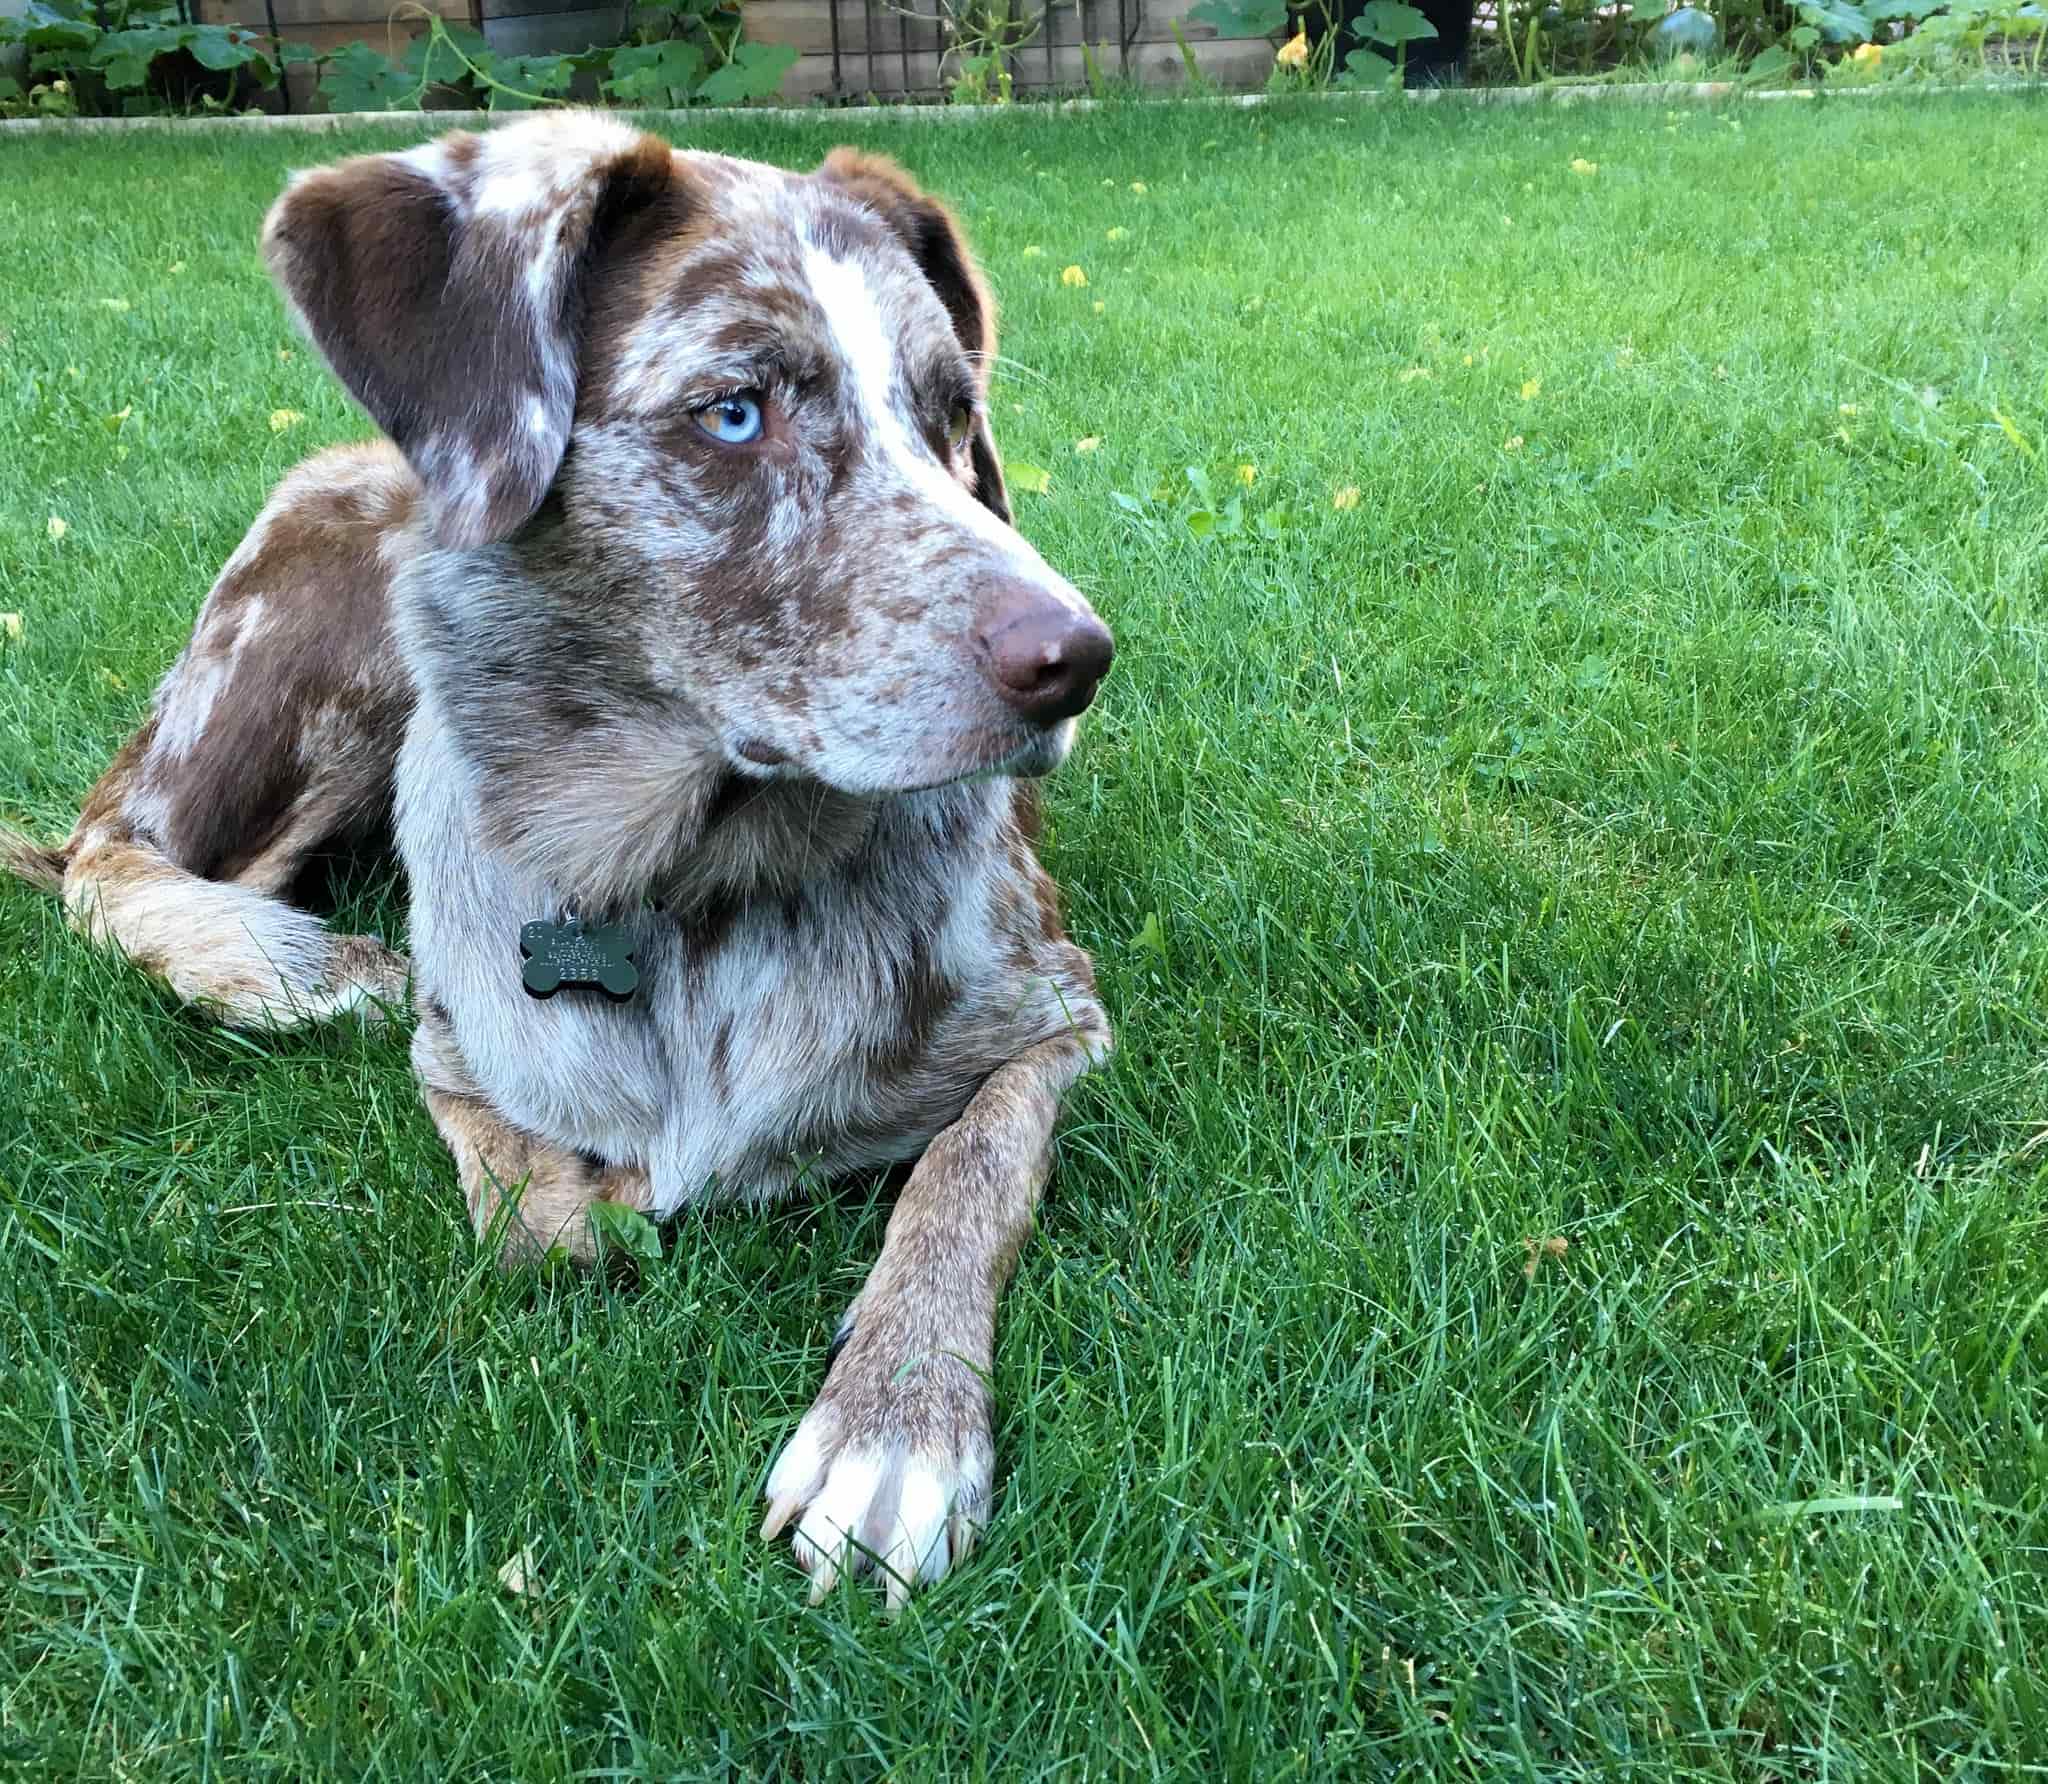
(1633, 837)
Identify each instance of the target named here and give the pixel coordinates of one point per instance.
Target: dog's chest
(766, 1039)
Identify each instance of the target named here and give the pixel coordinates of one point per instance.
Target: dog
(678, 632)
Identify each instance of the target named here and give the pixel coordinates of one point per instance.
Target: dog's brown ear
(443, 285)
(936, 243)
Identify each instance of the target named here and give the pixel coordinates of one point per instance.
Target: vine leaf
(755, 72)
(655, 73)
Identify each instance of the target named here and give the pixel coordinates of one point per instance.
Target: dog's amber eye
(733, 420)
(957, 425)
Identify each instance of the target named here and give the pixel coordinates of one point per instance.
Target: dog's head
(745, 407)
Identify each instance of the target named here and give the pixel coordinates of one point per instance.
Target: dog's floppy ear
(936, 243)
(443, 285)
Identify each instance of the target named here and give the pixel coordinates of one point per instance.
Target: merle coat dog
(680, 611)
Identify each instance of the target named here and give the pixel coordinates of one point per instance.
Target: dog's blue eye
(734, 419)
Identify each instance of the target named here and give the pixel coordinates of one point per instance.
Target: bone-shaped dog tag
(597, 956)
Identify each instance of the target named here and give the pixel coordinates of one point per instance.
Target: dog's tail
(26, 859)
(248, 960)
(245, 958)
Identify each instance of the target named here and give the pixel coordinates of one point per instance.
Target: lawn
(1553, 1283)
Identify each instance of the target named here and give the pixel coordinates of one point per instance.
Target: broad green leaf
(1838, 21)
(438, 56)
(1240, 18)
(214, 47)
(1201, 522)
(626, 1229)
(1033, 480)
(1366, 68)
(123, 57)
(1802, 38)
(755, 72)
(655, 73)
(1392, 22)
(1770, 63)
(124, 73)
(45, 28)
(531, 80)
(357, 78)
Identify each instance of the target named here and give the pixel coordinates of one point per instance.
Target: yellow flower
(1845, 409)
(71, 371)
(1247, 475)
(1088, 443)
(57, 528)
(1033, 252)
(118, 683)
(1345, 499)
(1294, 52)
(1098, 306)
(1868, 55)
(1532, 388)
(1074, 277)
(1583, 167)
(280, 419)
(10, 626)
(1138, 186)
(1513, 443)
(1468, 359)
(1117, 234)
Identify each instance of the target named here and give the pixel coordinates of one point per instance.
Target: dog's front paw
(890, 1469)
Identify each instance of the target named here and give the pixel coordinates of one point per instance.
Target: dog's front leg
(892, 1465)
(526, 1194)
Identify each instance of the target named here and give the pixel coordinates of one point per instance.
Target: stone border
(1551, 93)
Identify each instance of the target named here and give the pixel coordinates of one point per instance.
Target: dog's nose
(1044, 657)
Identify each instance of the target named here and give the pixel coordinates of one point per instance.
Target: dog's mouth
(1040, 752)
(1037, 756)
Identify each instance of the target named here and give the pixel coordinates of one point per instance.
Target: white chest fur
(836, 1027)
